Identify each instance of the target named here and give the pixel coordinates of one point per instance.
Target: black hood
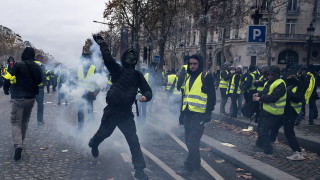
(129, 58)
(200, 69)
(28, 54)
(10, 59)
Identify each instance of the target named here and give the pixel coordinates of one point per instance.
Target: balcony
(293, 37)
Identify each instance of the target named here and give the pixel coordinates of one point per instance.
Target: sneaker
(139, 174)
(17, 153)
(94, 149)
(296, 156)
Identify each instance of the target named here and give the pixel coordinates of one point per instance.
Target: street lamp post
(310, 31)
(255, 17)
(149, 41)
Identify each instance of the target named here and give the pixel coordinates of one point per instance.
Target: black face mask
(131, 59)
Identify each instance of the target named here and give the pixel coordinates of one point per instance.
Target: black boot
(17, 153)
(94, 149)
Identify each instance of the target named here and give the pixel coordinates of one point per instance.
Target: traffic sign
(156, 58)
(257, 34)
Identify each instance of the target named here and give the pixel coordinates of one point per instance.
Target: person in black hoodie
(198, 103)
(122, 94)
(295, 95)
(26, 76)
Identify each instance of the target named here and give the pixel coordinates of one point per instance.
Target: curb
(310, 143)
(258, 168)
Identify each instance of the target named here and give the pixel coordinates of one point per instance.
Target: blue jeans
(40, 99)
(224, 99)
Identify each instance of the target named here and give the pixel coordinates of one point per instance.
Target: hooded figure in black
(198, 103)
(26, 76)
(118, 113)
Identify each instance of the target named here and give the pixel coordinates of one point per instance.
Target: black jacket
(125, 83)
(28, 77)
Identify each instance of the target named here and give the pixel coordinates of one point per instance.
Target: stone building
(288, 32)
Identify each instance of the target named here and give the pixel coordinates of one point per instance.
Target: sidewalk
(244, 154)
(308, 136)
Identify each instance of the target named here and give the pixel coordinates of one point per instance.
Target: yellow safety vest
(309, 91)
(296, 106)
(232, 86)
(39, 63)
(47, 75)
(223, 83)
(171, 79)
(260, 88)
(185, 67)
(86, 81)
(146, 76)
(276, 108)
(194, 98)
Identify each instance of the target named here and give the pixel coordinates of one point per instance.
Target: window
(292, 5)
(194, 37)
(288, 56)
(291, 26)
(318, 10)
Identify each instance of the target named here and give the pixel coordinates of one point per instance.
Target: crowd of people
(269, 95)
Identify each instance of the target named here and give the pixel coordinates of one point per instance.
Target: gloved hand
(207, 117)
(6, 92)
(98, 38)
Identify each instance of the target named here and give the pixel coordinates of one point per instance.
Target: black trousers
(267, 124)
(194, 128)
(113, 118)
(288, 126)
(40, 106)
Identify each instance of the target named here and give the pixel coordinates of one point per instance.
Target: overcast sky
(59, 27)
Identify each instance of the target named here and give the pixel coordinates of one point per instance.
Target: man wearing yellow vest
(249, 89)
(223, 85)
(86, 81)
(198, 103)
(311, 95)
(7, 73)
(234, 91)
(273, 100)
(40, 97)
(295, 95)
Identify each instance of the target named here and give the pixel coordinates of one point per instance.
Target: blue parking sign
(257, 34)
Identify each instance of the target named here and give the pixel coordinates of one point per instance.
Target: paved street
(57, 150)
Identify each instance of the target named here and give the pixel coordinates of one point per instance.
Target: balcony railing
(294, 37)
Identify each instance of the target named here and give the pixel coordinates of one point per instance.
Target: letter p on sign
(257, 34)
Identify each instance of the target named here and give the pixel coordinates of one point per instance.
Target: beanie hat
(28, 54)
(274, 70)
